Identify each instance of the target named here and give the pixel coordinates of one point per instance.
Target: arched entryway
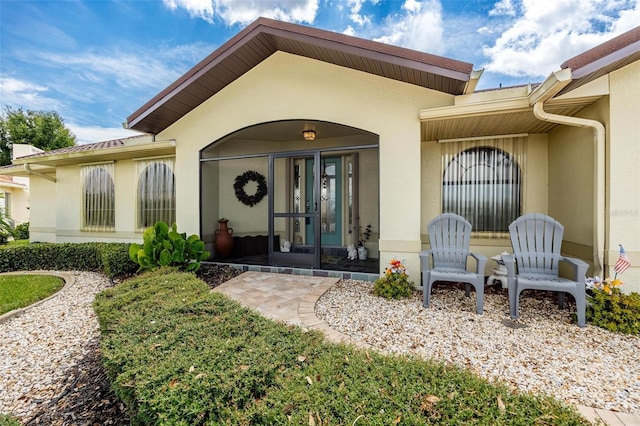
(301, 221)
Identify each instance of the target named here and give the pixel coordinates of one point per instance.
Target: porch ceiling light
(309, 135)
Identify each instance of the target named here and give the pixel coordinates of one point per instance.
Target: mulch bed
(87, 398)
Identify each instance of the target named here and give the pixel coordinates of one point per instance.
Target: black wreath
(242, 180)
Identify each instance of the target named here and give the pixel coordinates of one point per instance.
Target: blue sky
(95, 62)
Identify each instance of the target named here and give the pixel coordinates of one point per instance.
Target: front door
(330, 204)
(294, 216)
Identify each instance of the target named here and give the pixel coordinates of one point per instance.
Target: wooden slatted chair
(536, 239)
(449, 235)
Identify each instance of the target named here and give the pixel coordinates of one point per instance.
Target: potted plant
(363, 252)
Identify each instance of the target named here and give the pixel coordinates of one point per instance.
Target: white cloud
(91, 134)
(243, 12)
(23, 94)
(503, 7)
(196, 8)
(420, 27)
(545, 34)
(355, 6)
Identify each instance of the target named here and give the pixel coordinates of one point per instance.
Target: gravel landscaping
(541, 352)
(50, 371)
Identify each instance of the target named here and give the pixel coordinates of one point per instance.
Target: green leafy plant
(112, 259)
(394, 284)
(21, 232)
(364, 235)
(611, 309)
(164, 246)
(5, 228)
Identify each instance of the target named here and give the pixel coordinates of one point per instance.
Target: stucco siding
(624, 172)
(287, 87)
(43, 210)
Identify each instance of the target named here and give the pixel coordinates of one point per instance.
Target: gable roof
(603, 59)
(264, 37)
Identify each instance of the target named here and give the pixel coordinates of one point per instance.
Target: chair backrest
(449, 236)
(536, 240)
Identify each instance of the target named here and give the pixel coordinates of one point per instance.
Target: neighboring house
(396, 137)
(14, 190)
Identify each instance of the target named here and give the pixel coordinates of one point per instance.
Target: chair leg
(561, 296)
(581, 307)
(480, 297)
(514, 295)
(426, 290)
(467, 289)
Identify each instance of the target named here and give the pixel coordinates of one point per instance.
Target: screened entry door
(294, 214)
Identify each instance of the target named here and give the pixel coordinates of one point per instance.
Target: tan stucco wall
(56, 213)
(290, 87)
(535, 191)
(623, 184)
(43, 211)
(19, 200)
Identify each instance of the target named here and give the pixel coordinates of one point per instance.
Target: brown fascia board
(604, 54)
(379, 51)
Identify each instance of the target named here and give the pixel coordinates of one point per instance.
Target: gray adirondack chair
(449, 235)
(536, 239)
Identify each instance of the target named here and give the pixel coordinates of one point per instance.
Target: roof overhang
(48, 163)
(264, 36)
(603, 59)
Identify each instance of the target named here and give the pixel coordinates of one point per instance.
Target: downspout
(598, 176)
(30, 171)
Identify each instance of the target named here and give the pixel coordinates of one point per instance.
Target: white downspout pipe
(30, 171)
(598, 175)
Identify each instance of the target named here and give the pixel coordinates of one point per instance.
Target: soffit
(264, 37)
(490, 123)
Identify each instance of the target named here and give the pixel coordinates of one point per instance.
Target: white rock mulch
(38, 347)
(541, 352)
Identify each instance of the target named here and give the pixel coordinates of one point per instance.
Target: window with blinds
(484, 183)
(98, 197)
(156, 192)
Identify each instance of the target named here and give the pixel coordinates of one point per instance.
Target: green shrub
(179, 354)
(8, 420)
(21, 232)
(5, 228)
(112, 259)
(394, 284)
(164, 246)
(614, 311)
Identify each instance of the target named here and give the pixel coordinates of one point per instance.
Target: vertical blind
(98, 197)
(156, 192)
(482, 181)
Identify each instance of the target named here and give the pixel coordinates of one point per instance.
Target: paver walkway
(292, 299)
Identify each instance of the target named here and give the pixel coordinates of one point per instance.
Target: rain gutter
(30, 171)
(551, 86)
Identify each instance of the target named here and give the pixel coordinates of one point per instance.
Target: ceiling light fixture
(309, 135)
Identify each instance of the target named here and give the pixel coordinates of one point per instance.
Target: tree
(42, 129)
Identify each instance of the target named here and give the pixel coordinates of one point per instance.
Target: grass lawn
(19, 291)
(17, 242)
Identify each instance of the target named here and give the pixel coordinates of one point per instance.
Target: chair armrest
(579, 268)
(425, 260)
(510, 262)
(481, 262)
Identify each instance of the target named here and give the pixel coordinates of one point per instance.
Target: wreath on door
(242, 180)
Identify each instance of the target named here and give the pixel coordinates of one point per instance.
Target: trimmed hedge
(178, 354)
(112, 259)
